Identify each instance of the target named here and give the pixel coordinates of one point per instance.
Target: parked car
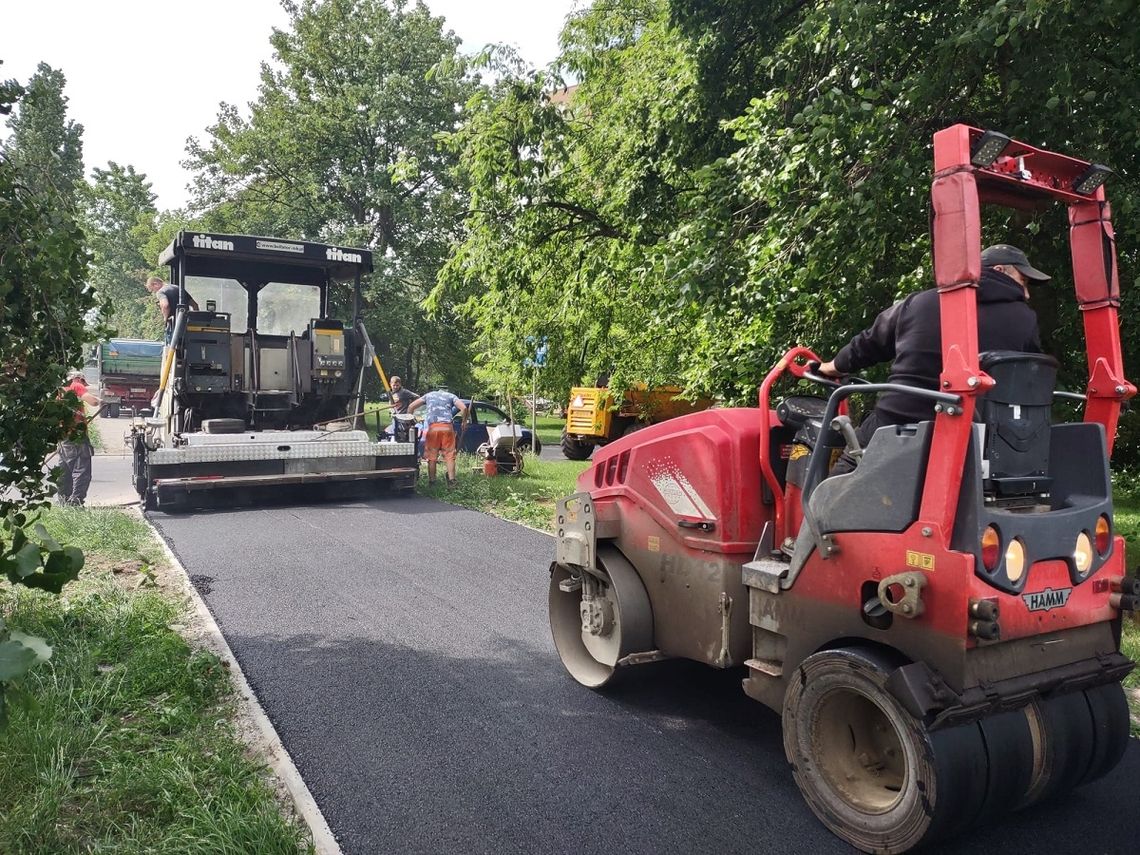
(480, 417)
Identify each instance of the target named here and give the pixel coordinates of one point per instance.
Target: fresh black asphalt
(402, 651)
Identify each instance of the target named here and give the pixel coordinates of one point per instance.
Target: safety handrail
(1070, 396)
(817, 465)
(794, 362)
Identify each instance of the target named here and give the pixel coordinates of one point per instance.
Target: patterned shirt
(440, 406)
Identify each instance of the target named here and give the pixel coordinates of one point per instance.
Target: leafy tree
(43, 304)
(731, 177)
(341, 146)
(571, 190)
(44, 143)
(819, 219)
(10, 90)
(120, 216)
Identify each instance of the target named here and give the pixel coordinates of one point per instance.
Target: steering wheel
(812, 373)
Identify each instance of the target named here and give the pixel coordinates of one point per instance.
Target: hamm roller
(939, 629)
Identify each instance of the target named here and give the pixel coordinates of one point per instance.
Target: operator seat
(1016, 413)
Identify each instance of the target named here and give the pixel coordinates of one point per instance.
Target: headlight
(1015, 561)
(1083, 553)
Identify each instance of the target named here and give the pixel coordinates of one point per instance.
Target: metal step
(771, 667)
(765, 574)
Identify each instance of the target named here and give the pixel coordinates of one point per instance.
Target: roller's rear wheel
(1078, 737)
(878, 778)
(593, 634)
(873, 774)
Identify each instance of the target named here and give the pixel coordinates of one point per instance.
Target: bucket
(490, 467)
(404, 427)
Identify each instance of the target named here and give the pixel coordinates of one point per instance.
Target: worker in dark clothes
(909, 334)
(75, 452)
(168, 301)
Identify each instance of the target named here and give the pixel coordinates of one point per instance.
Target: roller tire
(575, 450)
(1111, 726)
(1080, 737)
(1010, 762)
(1063, 730)
(871, 772)
(632, 630)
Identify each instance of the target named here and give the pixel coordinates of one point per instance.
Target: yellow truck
(593, 418)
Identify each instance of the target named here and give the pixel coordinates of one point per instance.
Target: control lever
(842, 424)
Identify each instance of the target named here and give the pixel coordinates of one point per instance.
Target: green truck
(126, 372)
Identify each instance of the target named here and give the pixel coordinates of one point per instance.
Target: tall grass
(1126, 518)
(526, 498)
(130, 745)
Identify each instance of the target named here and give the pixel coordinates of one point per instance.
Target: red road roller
(940, 628)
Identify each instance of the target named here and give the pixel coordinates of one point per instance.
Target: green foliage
(43, 303)
(341, 146)
(10, 92)
(570, 193)
(119, 219)
(732, 177)
(30, 556)
(46, 146)
(819, 219)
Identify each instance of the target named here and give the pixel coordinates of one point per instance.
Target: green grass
(106, 533)
(130, 745)
(549, 429)
(1126, 517)
(370, 411)
(526, 498)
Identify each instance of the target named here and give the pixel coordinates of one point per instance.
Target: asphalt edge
(276, 755)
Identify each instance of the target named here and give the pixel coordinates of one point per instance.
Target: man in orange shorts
(441, 407)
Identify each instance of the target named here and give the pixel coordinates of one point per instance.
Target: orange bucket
(490, 467)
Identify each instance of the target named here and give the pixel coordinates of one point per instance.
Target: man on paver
(75, 452)
(909, 334)
(441, 406)
(168, 301)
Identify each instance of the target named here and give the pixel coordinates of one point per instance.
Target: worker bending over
(441, 407)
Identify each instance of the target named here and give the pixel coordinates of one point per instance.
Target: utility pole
(538, 361)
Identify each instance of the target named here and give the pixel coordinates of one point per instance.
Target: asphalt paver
(402, 651)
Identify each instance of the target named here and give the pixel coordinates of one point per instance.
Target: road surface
(401, 649)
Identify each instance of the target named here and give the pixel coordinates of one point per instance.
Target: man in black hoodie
(910, 334)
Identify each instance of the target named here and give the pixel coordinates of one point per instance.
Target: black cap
(1003, 253)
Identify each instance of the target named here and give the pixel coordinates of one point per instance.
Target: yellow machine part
(591, 409)
(590, 412)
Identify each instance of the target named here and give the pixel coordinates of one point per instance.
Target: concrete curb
(269, 744)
